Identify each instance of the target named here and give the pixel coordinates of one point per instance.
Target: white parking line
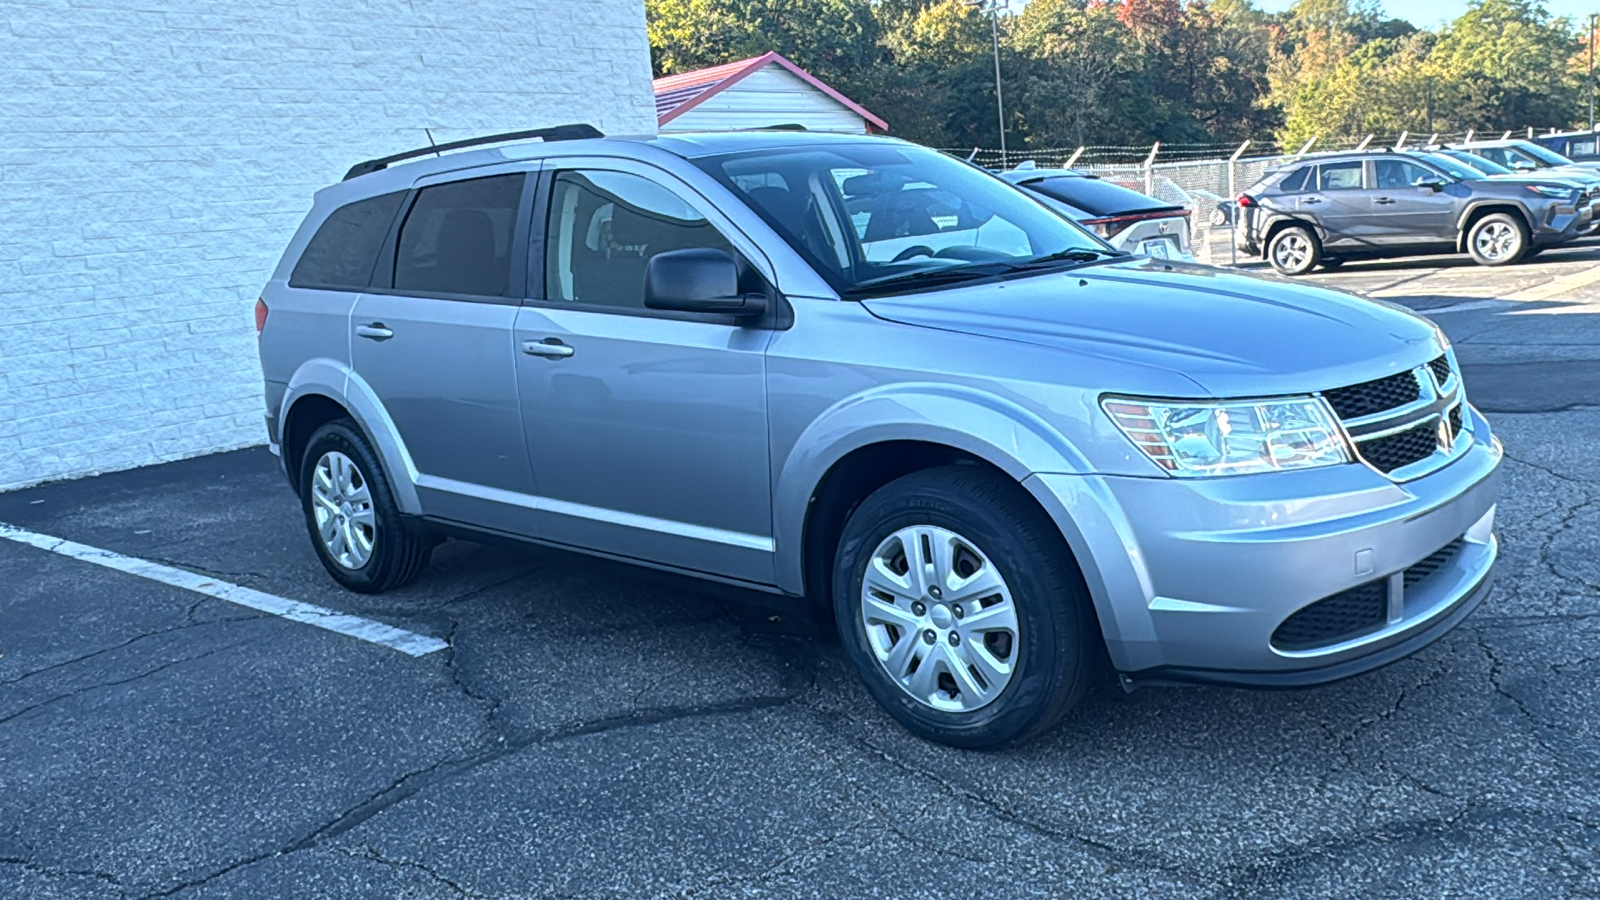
(406, 642)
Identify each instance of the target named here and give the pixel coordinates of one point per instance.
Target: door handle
(375, 331)
(550, 348)
(1311, 200)
(1384, 201)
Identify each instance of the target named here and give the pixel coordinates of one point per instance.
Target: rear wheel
(961, 608)
(1294, 250)
(355, 527)
(1497, 239)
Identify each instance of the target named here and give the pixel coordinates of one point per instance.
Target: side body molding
(338, 382)
(974, 421)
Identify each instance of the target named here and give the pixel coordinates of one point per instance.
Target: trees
(1134, 71)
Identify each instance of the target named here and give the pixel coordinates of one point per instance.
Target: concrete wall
(156, 156)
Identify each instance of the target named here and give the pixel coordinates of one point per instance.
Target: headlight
(1192, 438)
(1550, 190)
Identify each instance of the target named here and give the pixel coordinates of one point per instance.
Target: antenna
(431, 142)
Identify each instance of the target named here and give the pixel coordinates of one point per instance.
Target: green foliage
(1134, 71)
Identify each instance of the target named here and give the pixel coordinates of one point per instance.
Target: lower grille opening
(1348, 614)
(1402, 448)
(1358, 611)
(1432, 563)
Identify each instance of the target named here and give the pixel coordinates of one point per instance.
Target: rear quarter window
(341, 255)
(1295, 181)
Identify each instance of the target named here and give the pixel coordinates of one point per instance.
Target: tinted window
(1398, 173)
(1499, 155)
(1341, 176)
(1094, 196)
(457, 238)
(605, 226)
(1296, 181)
(341, 254)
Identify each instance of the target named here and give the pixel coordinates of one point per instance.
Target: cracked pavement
(596, 730)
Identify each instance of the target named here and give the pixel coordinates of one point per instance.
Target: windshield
(1454, 167)
(1487, 167)
(874, 213)
(1548, 157)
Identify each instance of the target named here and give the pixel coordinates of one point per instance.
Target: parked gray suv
(870, 377)
(1342, 206)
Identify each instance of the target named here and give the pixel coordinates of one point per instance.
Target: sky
(1431, 13)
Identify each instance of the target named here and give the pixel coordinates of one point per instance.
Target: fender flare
(998, 431)
(336, 381)
(1472, 209)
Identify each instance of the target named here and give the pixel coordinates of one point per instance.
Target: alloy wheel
(1496, 241)
(1291, 252)
(939, 618)
(342, 503)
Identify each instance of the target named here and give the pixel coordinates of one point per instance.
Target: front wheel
(1294, 250)
(961, 608)
(1497, 239)
(355, 527)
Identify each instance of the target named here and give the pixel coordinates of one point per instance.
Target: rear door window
(457, 238)
(1340, 176)
(340, 256)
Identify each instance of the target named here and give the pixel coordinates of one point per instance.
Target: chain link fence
(1202, 178)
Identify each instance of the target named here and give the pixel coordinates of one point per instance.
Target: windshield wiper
(927, 278)
(1071, 254)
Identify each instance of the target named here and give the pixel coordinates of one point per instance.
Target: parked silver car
(859, 373)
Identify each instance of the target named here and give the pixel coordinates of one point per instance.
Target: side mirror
(1523, 165)
(1434, 186)
(699, 280)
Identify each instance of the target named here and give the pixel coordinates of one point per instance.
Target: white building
(762, 92)
(156, 158)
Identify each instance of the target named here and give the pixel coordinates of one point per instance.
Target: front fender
(998, 431)
(338, 382)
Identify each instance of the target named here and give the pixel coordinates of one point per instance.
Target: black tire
(1294, 251)
(1498, 239)
(398, 553)
(1056, 647)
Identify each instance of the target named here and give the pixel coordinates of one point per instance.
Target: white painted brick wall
(156, 155)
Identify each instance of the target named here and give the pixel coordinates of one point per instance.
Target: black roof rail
(575, 132)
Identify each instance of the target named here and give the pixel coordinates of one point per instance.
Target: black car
(1125, 218)
(1328, 209)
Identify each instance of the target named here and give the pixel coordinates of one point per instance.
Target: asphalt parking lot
(593, 730)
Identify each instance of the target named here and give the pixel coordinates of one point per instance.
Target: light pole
(993, 8)
(1591, 72)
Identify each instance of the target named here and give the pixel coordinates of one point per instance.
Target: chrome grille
(1441, 370)
(1399, 423)
(1402, 448)
(1372, 397)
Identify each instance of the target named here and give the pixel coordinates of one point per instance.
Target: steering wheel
(909, 252)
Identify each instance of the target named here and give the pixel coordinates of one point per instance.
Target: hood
(1235, 335)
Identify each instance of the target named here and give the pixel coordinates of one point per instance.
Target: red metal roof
(677, 94)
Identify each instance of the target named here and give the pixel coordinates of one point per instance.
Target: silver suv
(868, 376)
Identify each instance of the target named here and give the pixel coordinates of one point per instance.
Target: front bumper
(1192, 577)
(1561, 223)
